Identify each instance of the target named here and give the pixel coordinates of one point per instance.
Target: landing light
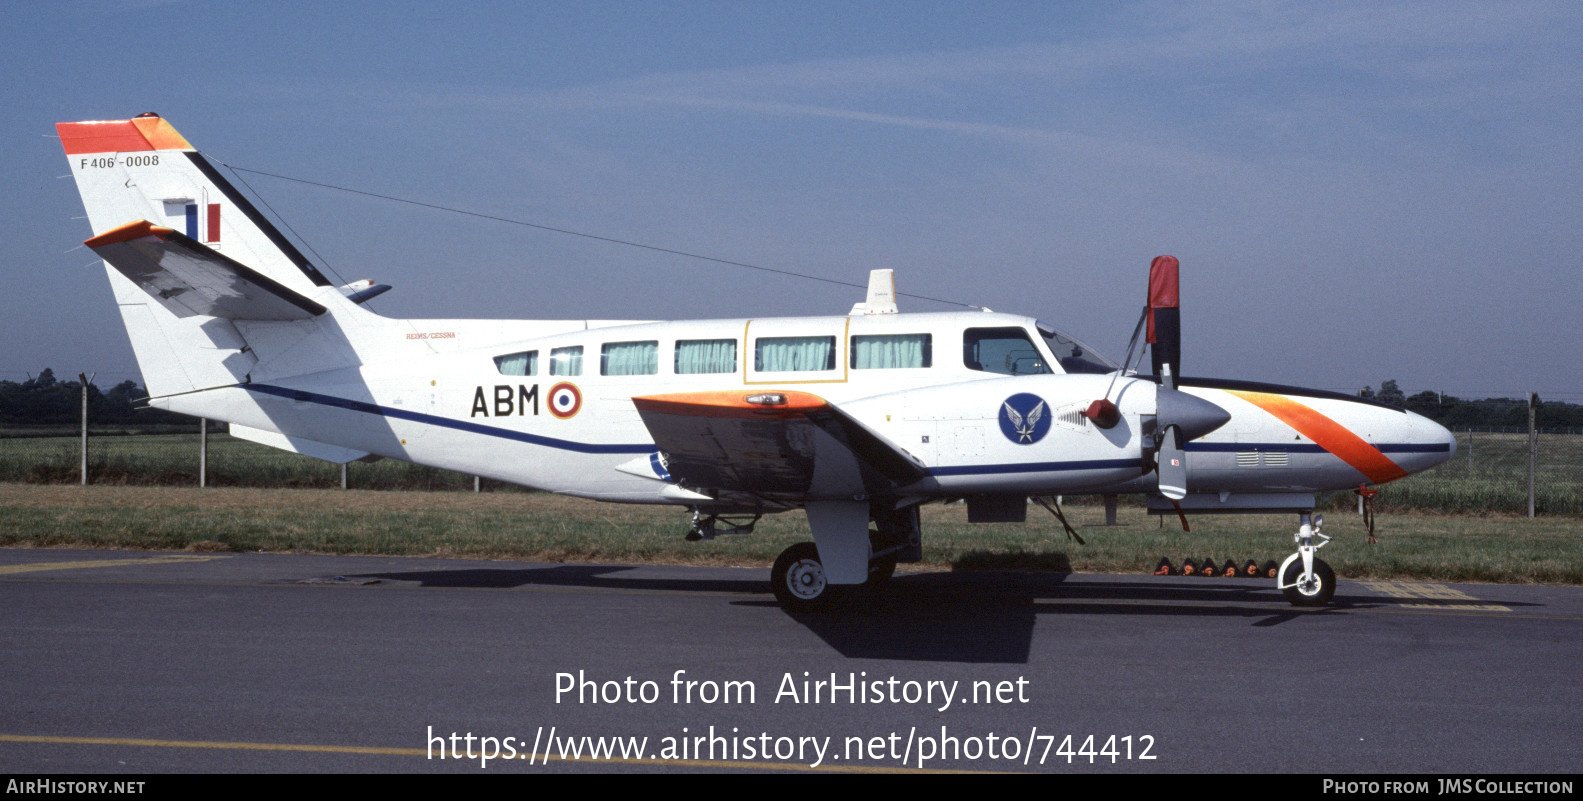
(767, 399)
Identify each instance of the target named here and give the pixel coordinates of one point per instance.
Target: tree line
(1459, 414)
(46, 401)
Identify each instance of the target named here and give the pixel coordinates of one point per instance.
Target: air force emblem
(1024, 418)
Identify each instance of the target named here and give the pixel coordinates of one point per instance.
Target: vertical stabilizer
(142, 169)
(190, 259)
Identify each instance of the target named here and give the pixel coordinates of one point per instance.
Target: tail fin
(186, 254)
(142, 169)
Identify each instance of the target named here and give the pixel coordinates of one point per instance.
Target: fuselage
(989, 403)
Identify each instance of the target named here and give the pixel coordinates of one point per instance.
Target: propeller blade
(1172, 466)
(1165, 319)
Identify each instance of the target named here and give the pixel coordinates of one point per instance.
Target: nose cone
(1427, 444)
(1191, 415)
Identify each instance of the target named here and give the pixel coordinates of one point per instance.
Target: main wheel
(798, 579)
(1317, 591)
(880, 570)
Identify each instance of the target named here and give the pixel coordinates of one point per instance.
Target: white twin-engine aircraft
(857, 419)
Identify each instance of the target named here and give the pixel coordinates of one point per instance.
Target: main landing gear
(1305, 579)
(798, 578)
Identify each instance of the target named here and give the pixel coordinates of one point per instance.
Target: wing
(1016, 419)
(1035, 414)
(190, 278)
(772, 448)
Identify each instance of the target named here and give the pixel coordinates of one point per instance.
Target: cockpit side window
(1074, 356)
(1007, 351)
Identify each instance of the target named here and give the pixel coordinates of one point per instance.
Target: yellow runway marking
(1438, 596)
(541, 759)
(137, 562)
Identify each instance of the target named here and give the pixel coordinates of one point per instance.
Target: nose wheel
(1305, 579)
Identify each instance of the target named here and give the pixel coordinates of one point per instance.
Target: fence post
(1533, 449)
(343, 475)
(84, 380)
(203, 452)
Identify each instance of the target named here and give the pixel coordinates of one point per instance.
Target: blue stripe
(1232, 447)
(1036, 467)
(192, 221)
(443, 422)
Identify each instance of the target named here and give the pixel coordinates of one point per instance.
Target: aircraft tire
(879, 571)
(798, 579)
(1314, 596)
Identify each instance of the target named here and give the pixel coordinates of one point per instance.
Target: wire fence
(1495, 469)
(1492, 471)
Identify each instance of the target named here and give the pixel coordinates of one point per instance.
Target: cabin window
(793, 354)
(524, 363)
(1008, 351)
(694, 356)
(884, 351)
(629, 358)
(567, 361)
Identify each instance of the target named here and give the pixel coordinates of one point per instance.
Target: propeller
(1179, 417)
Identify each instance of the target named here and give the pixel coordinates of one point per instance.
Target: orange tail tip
(144, 133)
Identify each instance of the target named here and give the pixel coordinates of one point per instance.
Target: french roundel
(565, 400)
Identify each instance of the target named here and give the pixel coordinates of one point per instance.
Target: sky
(1356, 191)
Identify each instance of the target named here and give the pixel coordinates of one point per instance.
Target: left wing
(774, 447)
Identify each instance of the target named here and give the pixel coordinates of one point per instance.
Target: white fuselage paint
(446, 404)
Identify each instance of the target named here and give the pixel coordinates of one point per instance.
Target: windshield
(1074, 356)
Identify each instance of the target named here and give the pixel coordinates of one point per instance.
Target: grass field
(1460, 521)
(171, 460)
(543, 527)
(1488, 474)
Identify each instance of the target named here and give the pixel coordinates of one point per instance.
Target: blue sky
(1356, 191)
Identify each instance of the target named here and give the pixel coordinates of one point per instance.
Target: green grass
(1489, 473)
(1490, 476)
(171, 460)
(1460, 521)
(543, 527)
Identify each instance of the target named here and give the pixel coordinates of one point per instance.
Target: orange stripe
(1328, 434)
(730, 403)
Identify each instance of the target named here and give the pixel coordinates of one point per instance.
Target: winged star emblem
(1024, 427)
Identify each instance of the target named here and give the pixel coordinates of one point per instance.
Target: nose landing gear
(1305, 579)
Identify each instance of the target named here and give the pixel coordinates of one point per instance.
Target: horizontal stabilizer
(306, 447)
(189, 278)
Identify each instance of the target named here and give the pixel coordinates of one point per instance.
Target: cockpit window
(1007, 351)
(1074, 356)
